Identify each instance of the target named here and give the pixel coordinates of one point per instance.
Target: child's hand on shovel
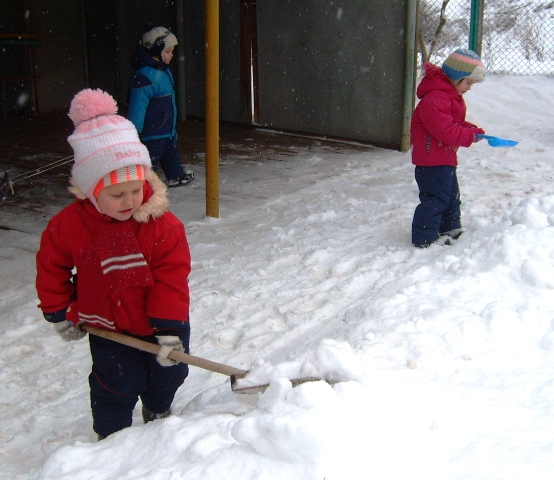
(168, 341)
(68, 331)
(478, 135)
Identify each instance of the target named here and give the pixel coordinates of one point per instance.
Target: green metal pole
(409, 73)
(475, 24)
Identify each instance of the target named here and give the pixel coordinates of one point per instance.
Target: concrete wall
(324, 68)
(333, 68)
(87, 43)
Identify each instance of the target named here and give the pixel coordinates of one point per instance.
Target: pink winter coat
(439, 126)
(127, 272)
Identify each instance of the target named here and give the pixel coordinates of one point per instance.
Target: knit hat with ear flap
(464, 64)
(156, 39)
(103, 142)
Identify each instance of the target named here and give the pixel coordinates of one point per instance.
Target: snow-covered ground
(443, 358)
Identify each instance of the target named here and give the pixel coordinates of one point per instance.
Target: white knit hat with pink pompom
(102, 141)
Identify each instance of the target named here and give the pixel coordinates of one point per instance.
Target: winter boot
(444, 239)
(181, 180)
(453, 234)
(148, 416)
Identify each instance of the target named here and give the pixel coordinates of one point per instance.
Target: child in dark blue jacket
(152, 107)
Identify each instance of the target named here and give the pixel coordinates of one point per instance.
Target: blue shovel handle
(498, 142)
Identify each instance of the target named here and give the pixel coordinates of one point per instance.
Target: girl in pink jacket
(132, 260)
(438, 129)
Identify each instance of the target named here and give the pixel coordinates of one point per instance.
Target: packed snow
(437, 363)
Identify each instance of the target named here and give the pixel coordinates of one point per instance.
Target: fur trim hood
(155, 202)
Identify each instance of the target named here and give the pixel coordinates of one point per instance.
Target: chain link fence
(517, 36)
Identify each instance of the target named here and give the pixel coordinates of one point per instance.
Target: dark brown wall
(83, 43)
(229, 59)
(57, 60)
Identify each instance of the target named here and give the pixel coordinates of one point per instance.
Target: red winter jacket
(127, 272)
(439, 126)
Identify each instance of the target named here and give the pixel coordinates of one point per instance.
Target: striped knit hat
(123, 174)
(106, 146)
(464, 64)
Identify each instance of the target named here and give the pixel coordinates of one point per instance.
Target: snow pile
(440, 362)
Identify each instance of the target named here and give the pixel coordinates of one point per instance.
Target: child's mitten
(477, 132)
(68, 332)
(168, 340)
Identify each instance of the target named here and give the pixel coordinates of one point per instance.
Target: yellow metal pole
(212, 108)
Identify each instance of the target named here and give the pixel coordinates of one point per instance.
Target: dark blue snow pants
(164, 153)
(120, 375)
(439, 210)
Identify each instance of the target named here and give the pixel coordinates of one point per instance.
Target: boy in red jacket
(438, 129)
(132, 261)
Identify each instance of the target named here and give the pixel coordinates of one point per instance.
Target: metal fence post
(410, 72)
(476, 26)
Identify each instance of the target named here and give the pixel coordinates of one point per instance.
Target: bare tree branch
(426, 55)
(442, 22)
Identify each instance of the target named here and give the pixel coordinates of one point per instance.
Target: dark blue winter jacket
(152, 107)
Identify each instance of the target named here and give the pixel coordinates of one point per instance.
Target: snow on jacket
(131, 276)
(439, 126)
(152, 107)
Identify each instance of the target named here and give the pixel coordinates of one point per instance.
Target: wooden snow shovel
(235, 374)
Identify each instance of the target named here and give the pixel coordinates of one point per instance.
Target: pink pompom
(89, 104)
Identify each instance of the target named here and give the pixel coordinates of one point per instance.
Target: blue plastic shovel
(498, 142)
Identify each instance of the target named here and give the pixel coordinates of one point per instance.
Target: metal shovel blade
(253, 389)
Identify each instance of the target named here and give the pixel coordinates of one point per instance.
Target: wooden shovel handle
(155, 349)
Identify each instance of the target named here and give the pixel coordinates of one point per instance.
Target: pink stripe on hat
(121, 175)
(466, 59)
